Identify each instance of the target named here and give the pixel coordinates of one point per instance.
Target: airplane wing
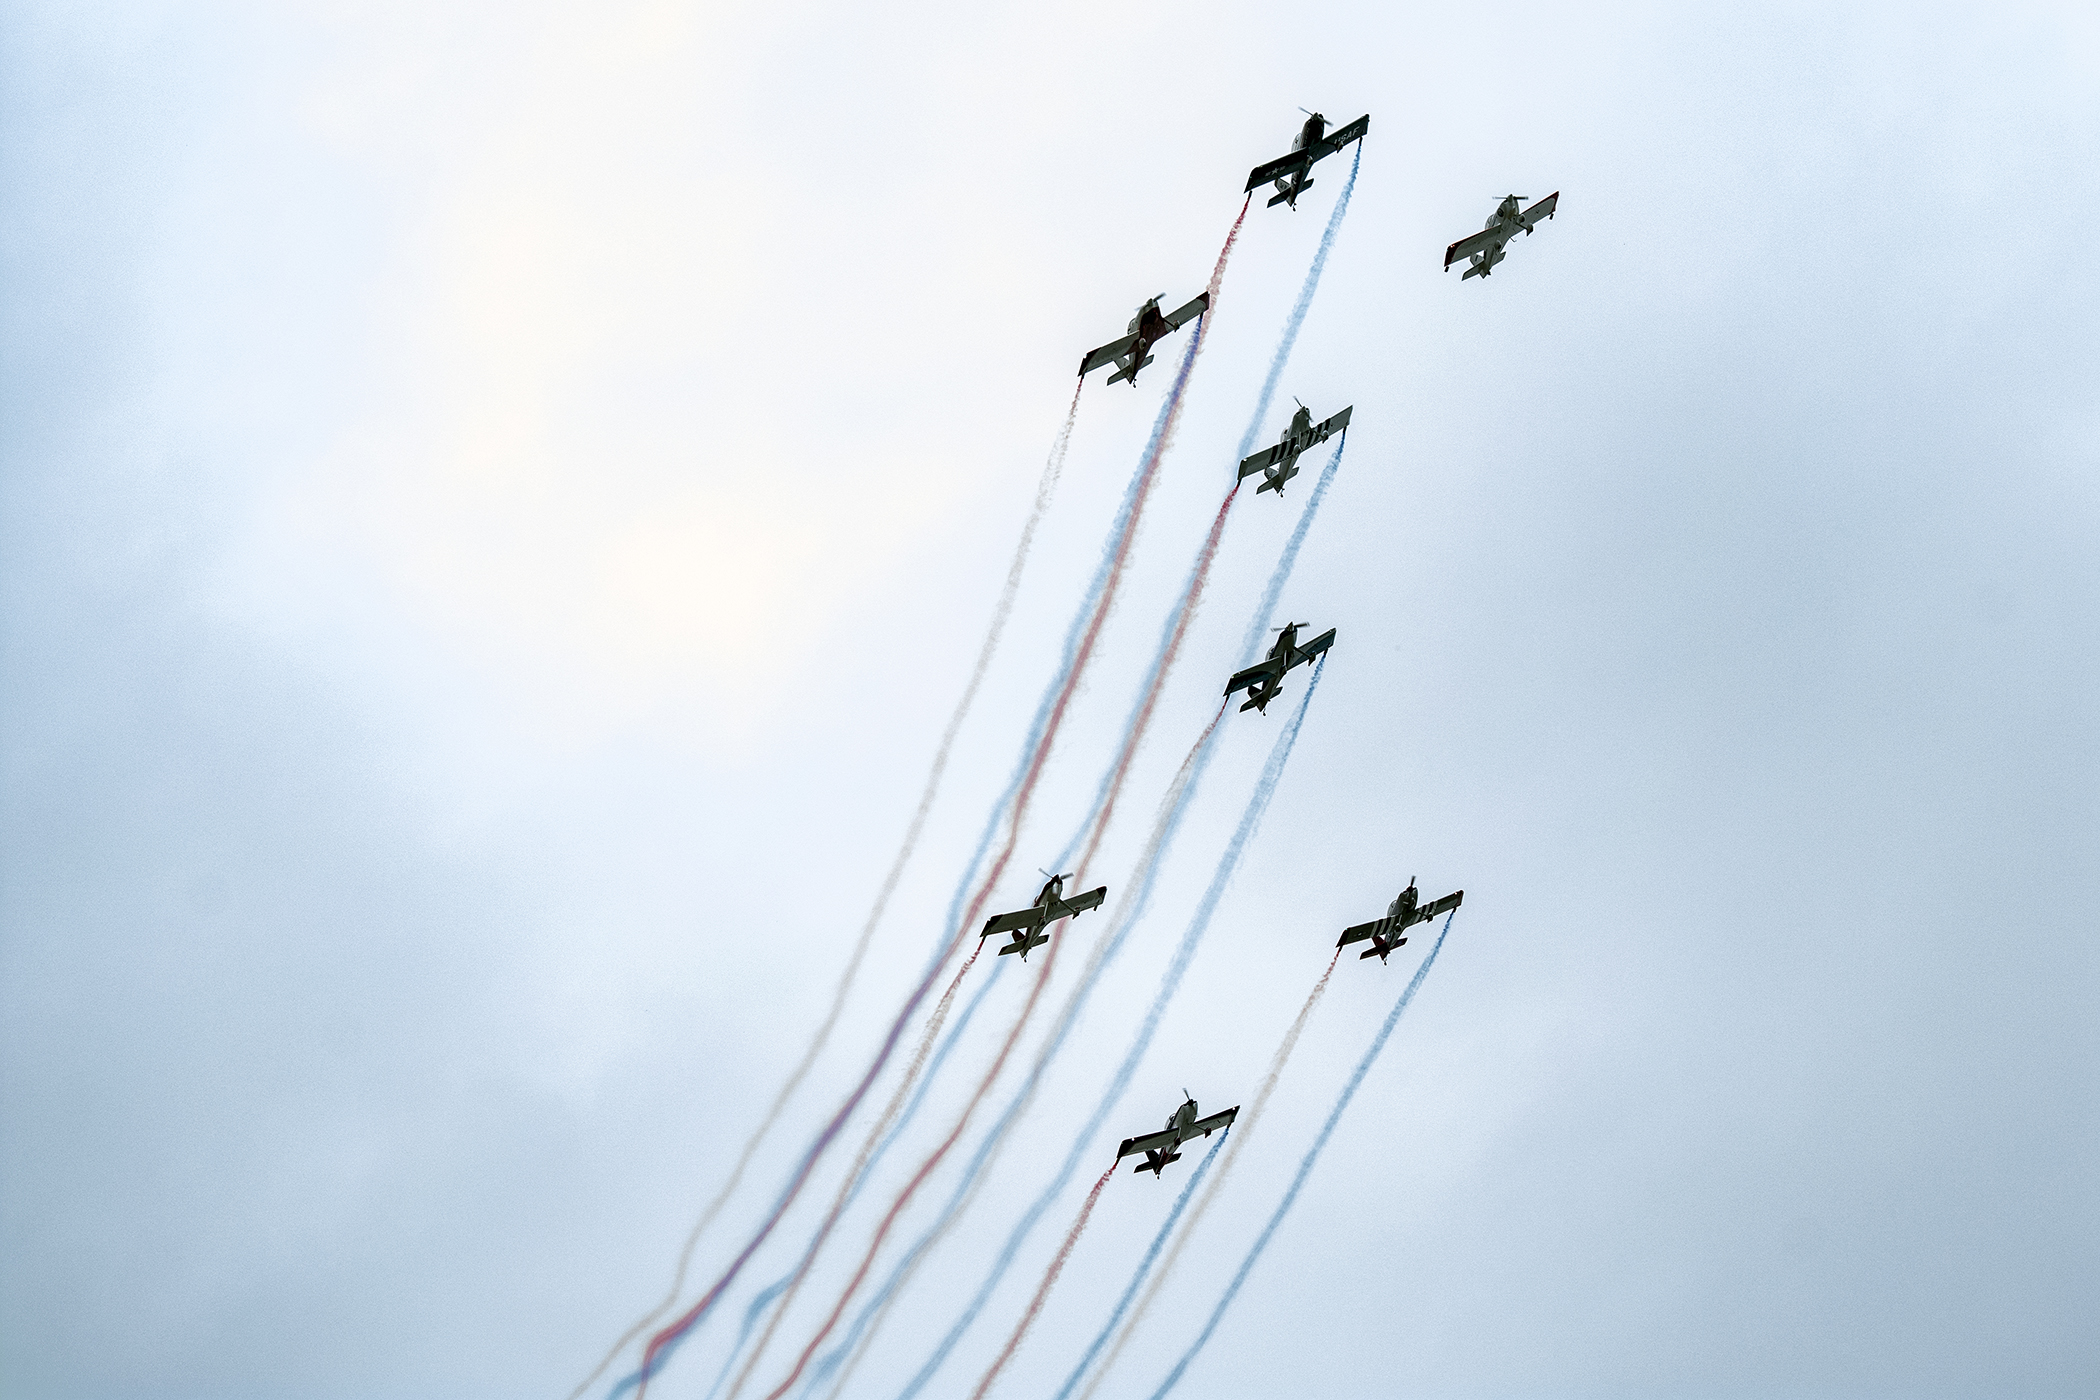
(1261, 462)
(1329, 428)
(1445, 905)
(1335, 140)
(1190, 312)
(1356, 933)
(1150, 1142)
(1278, 168)
(1031, 917)
(1467, 247)
(1207, 1126)
(1079, 903)
(1543, 209)
(1094, 359)
(1314, 647)
(1258, 671)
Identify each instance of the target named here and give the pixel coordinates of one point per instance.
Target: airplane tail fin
(1290, 197)
(1129, 372)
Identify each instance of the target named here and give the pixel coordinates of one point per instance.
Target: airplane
(1280, 463)
(1182, 1124)
(1026, 925)
(1486, 247)
(1134, 351)
(1292, 172)
(1263, 680)
(1401, 913)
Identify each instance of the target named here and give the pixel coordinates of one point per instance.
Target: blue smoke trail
(1118, 536)
(829, 1363)
(1250, 820)
(767, 1295)
(1115, 545)
(1288, 560)
(1305, 1167)
(1304, 304)
(1144, 1267)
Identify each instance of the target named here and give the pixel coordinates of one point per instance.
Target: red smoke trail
(1191, 599)
(1046, 487)
(1042, 1290)
(1148, 475)
(919, 1178)
(860, 1164)
(1242, 1128)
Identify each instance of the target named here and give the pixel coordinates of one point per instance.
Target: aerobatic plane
(1403, 912)
(1134, 351)
(1485, 248)
(1026, 925)
(1293, 173)
(1280, 463)
(1182, 1124)
(1263, 681)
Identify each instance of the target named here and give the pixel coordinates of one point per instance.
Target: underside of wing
(1031, 917)
(1241, 679)
(1277, 168)
(1080, 903)
(1355, 131)
(1333, 425)
(1262, 460)
(1467, 247)
(1150, 1142)
(1447, 903)
(1377, 928)
(1316, 645)
(1543, 209)
(1097, 358)
(1190, 312)
(1207, 1126)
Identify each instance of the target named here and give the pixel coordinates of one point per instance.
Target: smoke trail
(1042, 1290)
(925, 1170)
(1045, 488)
(1178, 619)
(1303, 304)
(849, 1187)
(1166, 1228)
(1102, 594)
(1305, 1167)
(1173, 806)
(862, 1174)
(1170, 982)
(1246, 1124)
(1049, 715)
(1271, 594)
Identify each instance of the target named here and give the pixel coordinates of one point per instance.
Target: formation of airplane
(1263, 681)
(1134, 351)
(1292, 172)
(1485, 248)
(1404, 912)
(1280, 463)
(1026, 925)
(1182, 1124)
(1291, 175)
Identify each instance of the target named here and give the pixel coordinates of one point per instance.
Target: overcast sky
(497, 503)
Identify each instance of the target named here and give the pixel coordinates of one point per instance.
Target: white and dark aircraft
(1280, 463)
(1182, 1124)
(1263, 681)
(1404, 912)
(1026, 925)
(1485, 248)
(1134, 351)
(1293, 173)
